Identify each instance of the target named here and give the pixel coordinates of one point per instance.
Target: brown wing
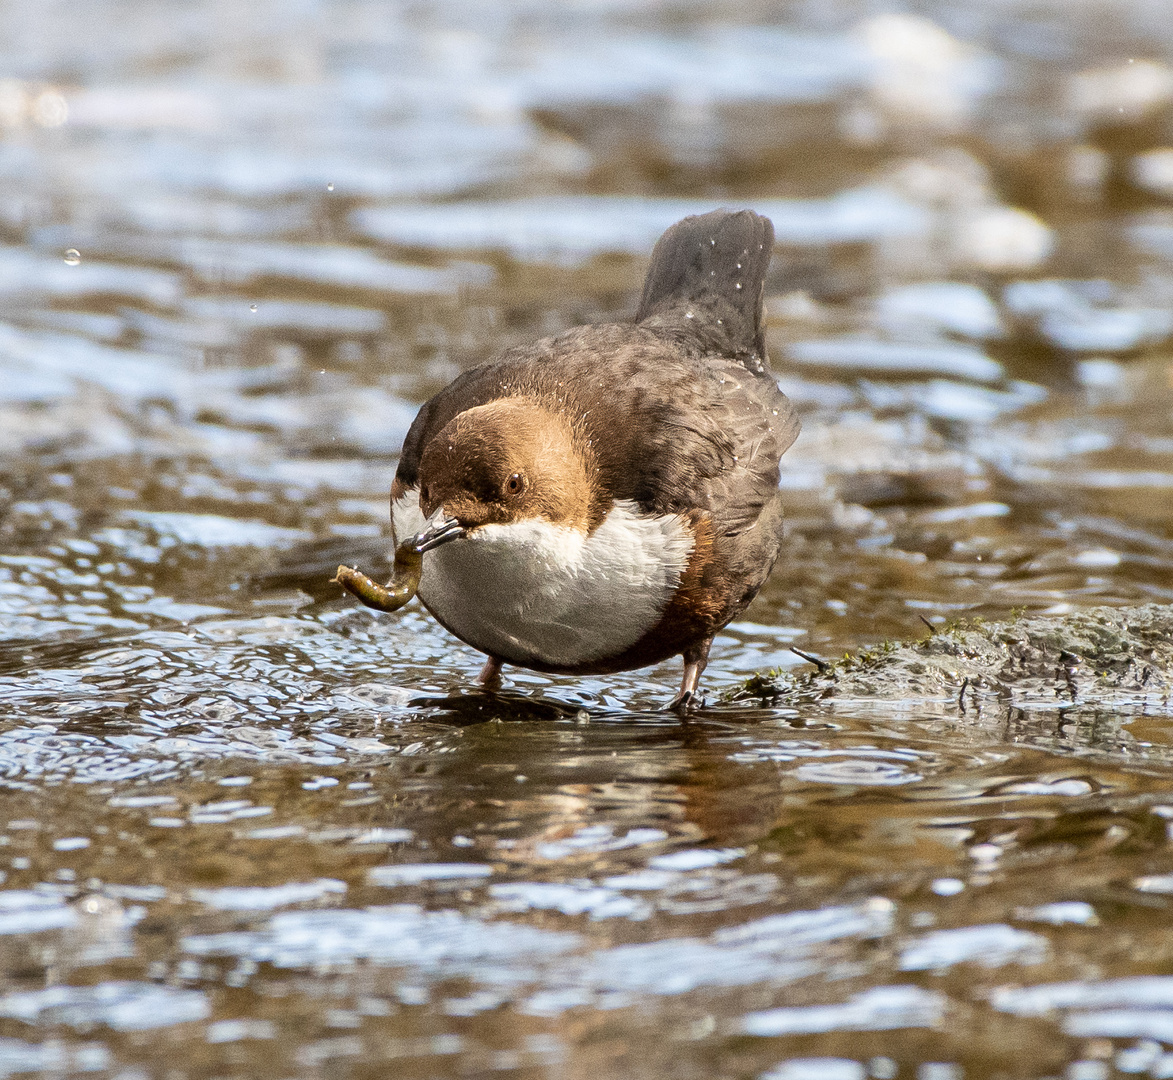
(672, 429)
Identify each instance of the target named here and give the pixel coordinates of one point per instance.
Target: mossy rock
(1112, 658)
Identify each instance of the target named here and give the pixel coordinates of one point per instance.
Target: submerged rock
(1109, 658)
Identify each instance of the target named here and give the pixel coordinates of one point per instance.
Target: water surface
(251, 830)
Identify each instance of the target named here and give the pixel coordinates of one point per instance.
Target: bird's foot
(687, 697)
(684, 702)
(490, 676)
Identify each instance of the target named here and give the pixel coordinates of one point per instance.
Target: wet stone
(1118, 659)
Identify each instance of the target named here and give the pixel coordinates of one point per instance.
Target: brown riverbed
(249, 829)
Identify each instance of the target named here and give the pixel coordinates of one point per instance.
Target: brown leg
(490, 676)
(695, 660)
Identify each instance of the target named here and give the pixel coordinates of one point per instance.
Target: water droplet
(72, 257)
(252, 307)
(330, 186)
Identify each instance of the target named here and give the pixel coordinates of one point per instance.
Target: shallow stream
(251, 830)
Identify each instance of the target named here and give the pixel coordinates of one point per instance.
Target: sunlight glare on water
(254, 830)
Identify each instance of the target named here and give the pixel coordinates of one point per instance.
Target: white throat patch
(533, 591)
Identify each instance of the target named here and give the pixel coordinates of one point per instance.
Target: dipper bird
(608, 498)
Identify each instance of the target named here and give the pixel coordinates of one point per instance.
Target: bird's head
(507, 461)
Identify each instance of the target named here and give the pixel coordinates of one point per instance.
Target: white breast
(536, 592)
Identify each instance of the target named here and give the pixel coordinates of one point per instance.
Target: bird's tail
(714, 267)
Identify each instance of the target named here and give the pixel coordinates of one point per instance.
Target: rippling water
(251, 830)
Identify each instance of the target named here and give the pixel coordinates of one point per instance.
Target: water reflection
(252, 830)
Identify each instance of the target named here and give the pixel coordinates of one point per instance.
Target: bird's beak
(438, 531)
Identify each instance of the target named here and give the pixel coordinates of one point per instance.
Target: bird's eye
(515, 485)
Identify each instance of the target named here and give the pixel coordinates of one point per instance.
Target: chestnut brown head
(505, 461)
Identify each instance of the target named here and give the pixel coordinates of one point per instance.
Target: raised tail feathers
(714, 266)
